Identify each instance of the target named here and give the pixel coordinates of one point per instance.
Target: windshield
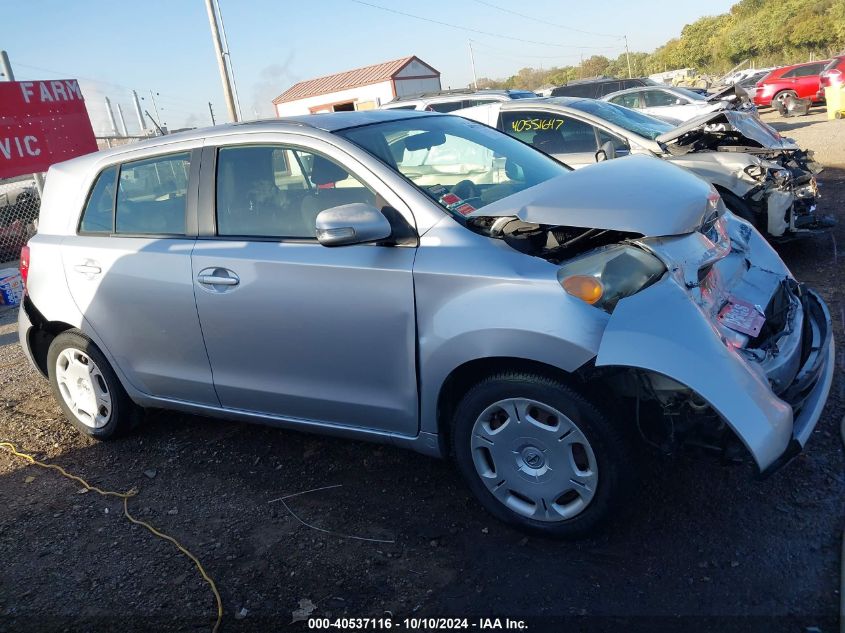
(460, 164)
(689, 94)
(631, 120)
(522, 94)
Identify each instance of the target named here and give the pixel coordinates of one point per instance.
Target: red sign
(41, 123)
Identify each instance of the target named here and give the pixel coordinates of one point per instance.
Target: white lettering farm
(50, 91)
(17, 147)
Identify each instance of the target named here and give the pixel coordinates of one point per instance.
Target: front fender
(661, 330)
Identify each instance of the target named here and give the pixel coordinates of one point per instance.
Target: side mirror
(606, 152)
(356, 223)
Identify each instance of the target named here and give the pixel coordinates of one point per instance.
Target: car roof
(635, 89)
(824, 62)
(327, 122)
(517, 104)
(457, 93)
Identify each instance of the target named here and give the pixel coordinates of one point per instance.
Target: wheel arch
(41, 334)
(464, 376)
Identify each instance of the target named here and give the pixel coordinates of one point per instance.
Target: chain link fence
(19, 207)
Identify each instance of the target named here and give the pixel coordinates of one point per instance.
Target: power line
(469, 29)
(92, 80)
(546, 22)
(498, 52)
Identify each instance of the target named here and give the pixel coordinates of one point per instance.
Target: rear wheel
(87, 388)
(781, 96)
(539, 456)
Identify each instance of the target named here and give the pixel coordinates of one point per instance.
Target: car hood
(636, 194)
(747, 124)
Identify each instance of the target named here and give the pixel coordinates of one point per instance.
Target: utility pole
(628, 57)
(6, 66)
(110, 112)
(155, 105)
(138, 112)
(211, 112)
(228, 56)
(472, 63)
(122, 120)
(221, 62)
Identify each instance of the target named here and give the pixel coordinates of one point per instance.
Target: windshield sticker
(524, 125)
(437, 190)
(450, 200)
(465, 209)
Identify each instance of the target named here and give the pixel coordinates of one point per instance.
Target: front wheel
(87, 388)
(539, 456)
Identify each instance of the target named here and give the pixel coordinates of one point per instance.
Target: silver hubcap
(534, 459)
(83, 388)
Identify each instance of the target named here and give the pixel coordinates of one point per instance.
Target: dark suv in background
(597, 88)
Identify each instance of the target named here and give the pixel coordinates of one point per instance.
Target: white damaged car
(762, 177)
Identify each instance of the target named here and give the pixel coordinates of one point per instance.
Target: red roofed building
(360, 89)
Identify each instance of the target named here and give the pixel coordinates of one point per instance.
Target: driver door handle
(214, 280)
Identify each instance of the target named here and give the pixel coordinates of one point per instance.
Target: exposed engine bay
(552, 243)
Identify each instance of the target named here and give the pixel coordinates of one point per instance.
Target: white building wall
(414, 86)
(380, 93)
(415, 69)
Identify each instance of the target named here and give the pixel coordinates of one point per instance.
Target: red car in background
(798, 80)
(832, 75)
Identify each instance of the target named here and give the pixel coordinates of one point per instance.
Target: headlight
(603, 277)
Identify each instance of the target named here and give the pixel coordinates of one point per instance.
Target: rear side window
(577, 90)
(550, 133)
(446, 106)
(629, 100)
(606, 87)
(151, 196)
(97, 216)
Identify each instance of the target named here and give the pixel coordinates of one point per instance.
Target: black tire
(124, 414)
(612, 445)
(740, 208)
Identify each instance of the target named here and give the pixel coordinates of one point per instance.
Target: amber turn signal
(584, 287)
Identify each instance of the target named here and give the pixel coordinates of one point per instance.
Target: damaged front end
(704, 330)
(775, 180)
(727, 346)
(784, 194)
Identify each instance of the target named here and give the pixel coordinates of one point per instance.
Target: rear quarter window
(98, 215)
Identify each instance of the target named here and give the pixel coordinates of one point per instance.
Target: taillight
(24, 266)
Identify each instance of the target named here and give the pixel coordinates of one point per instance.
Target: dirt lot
(703, 545)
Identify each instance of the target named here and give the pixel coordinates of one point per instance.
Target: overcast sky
(165, 46)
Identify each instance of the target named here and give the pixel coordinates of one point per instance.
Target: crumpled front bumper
(664, 329)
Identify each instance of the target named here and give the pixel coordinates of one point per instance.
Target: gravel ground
(703, 546)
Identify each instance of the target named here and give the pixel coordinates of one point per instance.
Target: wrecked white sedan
(427, 281)
(762, 177)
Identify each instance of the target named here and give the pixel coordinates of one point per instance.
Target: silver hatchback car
(428, 281)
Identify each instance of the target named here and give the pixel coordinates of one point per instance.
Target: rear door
(295, 329)
(806, 80)
(129, 272)
(566, 138)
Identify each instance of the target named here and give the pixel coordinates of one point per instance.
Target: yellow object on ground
(126, 496)
(835, 98)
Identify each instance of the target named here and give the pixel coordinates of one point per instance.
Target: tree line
(766, 32)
